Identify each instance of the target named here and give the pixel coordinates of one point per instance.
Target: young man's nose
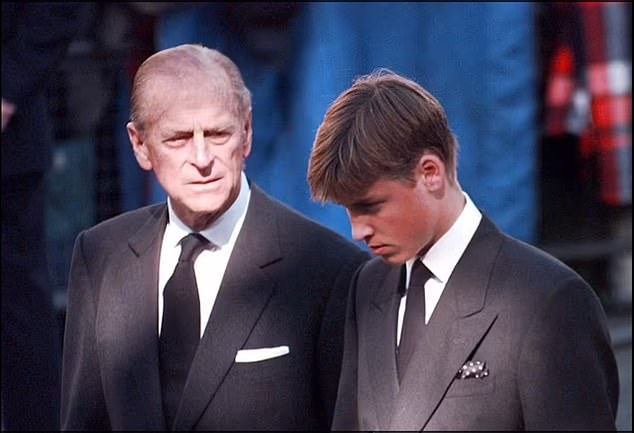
(360, 230)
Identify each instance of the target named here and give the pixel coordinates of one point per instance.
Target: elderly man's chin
(206, 203)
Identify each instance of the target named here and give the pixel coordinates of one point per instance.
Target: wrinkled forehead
(165, 92)
(206, 84)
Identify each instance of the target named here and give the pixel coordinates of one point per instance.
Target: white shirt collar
(443, 256)
(221, 231)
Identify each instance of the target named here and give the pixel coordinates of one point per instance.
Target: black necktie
(180, 329)
(414, 320)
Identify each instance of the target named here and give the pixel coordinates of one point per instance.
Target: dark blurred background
(539, 95)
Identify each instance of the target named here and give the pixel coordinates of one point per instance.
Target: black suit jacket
(286, 283)
(537, 326)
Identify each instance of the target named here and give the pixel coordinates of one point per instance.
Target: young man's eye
(365, 208)
(373, 208)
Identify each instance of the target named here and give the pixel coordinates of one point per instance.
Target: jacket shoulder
(300, 233)
(130, 219)
(121, 228)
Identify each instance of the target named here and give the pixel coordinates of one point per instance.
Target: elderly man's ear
(248, 131)
(139, 146)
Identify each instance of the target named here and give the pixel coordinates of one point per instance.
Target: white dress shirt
(210, 265)
(441, 259)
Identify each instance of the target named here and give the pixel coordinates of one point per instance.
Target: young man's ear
(431, 171)
(139, 146)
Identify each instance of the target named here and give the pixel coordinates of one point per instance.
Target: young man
(221, 309)
(491, 334)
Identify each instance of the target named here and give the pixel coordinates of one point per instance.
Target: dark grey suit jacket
(286, 284)
(537, 326)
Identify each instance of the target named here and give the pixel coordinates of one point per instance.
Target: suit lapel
(381, 344)
(459, 322)
(128, 306)
(245, 290)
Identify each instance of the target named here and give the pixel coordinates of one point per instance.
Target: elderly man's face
(196, 146)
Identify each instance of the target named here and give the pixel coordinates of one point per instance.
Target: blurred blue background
(479, 59)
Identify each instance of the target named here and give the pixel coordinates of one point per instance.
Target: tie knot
(420, 274)
(191, 246)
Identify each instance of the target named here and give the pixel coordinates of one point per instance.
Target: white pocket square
(255, 355)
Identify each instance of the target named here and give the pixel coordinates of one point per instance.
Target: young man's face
(396, 219)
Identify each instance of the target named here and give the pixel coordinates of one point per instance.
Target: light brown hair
(377, 129)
